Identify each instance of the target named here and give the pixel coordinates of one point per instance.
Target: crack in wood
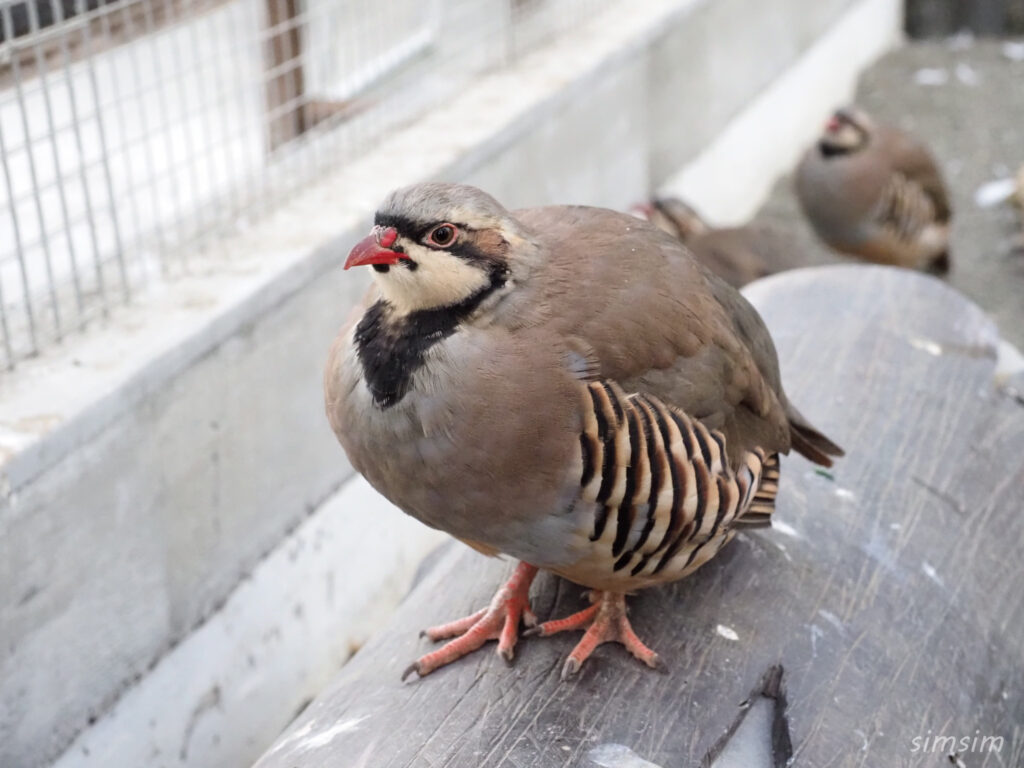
(770, 687)
(941, 496)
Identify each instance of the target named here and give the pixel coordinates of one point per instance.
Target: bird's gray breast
(838, 194)
(481, 445)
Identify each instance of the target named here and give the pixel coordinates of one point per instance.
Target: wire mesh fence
(134, 132)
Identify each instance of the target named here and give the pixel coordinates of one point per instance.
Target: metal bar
(205, 108)
(282, 47)
(8, 351)
(162, 105)
(101, 287)
(68, 25)
(118, 106)
(147, 139)
(20, 252)
(317, 155)
(126, 290)
(254, 132)
(198, 210)
(235, 166)
(5, 17)
(295, 85)
(58, 14)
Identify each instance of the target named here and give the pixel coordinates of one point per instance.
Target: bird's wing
(913, 160)
(662, 494)
(904, 208)
(659, 322)
(734, 254)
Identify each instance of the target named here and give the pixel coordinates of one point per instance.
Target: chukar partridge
(875, 192)
(738, 255)
(565, 385)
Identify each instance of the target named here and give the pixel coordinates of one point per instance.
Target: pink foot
(605, 622)
(499, 621)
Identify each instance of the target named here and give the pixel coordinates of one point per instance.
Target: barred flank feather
(903, 208)
(667, 498)
(759, 513)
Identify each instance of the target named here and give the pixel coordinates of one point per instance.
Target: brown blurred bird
(873, 191)
(739, 255)
(566, 385)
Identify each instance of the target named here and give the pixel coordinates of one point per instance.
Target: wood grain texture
(891, 591)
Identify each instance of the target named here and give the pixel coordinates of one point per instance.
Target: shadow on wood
(939, 18)
(883, 611)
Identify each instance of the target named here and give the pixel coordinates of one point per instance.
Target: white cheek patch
(440, 279)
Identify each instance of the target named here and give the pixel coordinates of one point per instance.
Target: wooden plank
(889, 592)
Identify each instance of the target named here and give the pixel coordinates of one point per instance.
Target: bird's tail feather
(759, 513)
(939, 265)
(809, 442)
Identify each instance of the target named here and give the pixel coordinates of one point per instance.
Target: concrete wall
(157, 461)
(118, 550)
(707, 69)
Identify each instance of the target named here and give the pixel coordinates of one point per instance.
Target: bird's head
(437, 245)
(848, 130)
(683, 217)
(672, 215)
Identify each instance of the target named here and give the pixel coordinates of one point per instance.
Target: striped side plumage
(903, 208)
(666, 498)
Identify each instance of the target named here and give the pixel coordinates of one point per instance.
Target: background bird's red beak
(643, 211)
(373, 249)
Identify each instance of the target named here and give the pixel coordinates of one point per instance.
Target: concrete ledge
(148, 466)
(230, 686)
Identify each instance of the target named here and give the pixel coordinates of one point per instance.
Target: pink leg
(605, 622)
(499, 621)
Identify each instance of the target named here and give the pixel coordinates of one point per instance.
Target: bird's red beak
(643, 211)
(375, 248)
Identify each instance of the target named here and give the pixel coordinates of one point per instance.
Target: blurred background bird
(1018, 198)
(873, 191)
(738, 255)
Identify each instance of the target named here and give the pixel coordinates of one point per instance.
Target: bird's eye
(442, 235)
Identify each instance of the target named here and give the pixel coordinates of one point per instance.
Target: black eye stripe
(414, 230)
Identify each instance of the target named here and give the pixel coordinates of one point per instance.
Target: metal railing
(133, 133)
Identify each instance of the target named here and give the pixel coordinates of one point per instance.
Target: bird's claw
(414, 667)
(604, 622)
(499, 621)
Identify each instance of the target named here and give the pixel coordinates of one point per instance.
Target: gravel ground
(966, 99)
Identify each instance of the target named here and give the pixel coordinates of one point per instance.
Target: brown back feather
(658, 322)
